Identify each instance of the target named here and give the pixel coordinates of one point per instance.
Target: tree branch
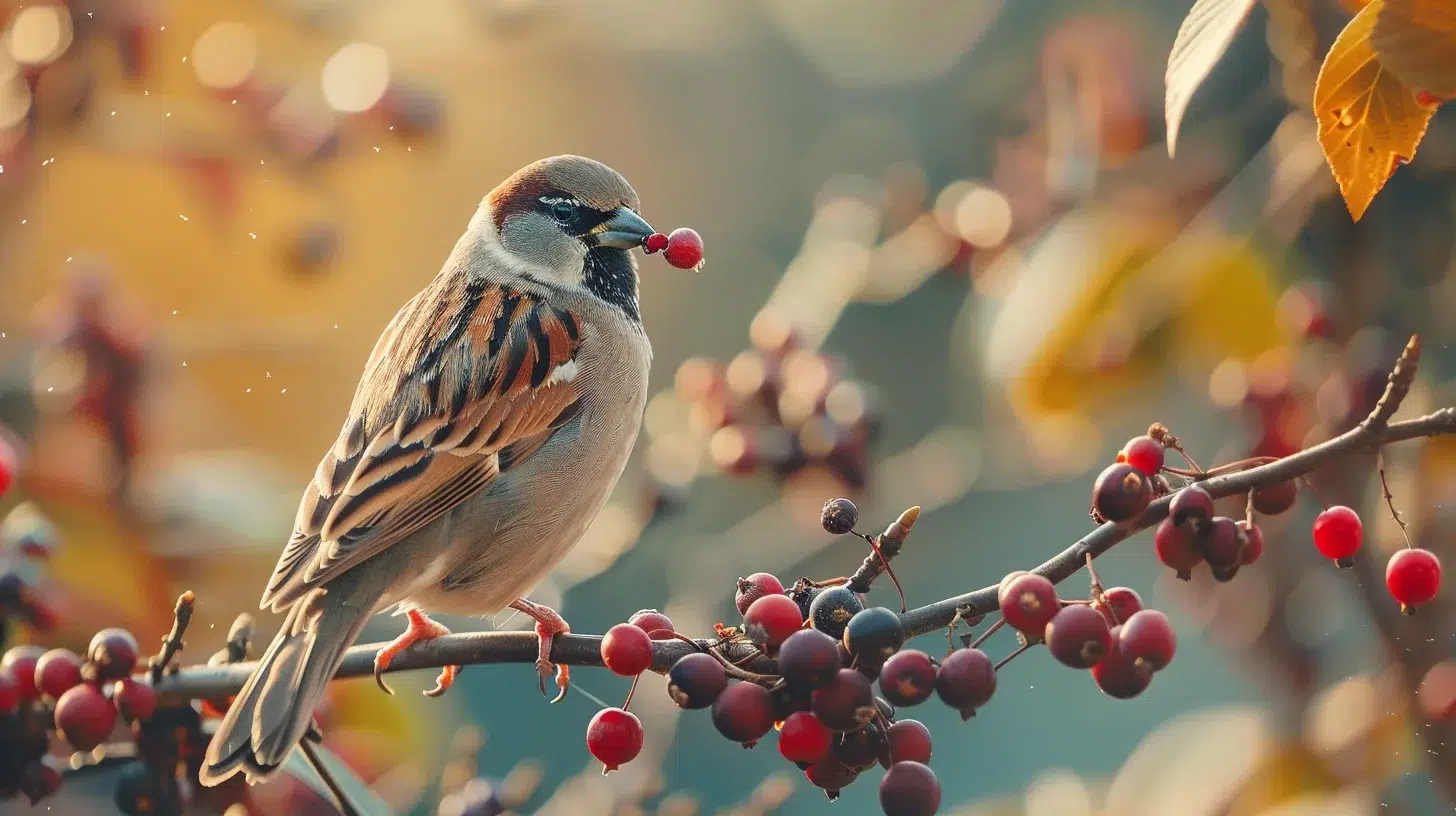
(214, 682)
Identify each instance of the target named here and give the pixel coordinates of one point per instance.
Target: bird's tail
(273, 710)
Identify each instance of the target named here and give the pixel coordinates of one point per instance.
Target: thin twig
(1309, 483)
(172, 642)
(1390, 500)
(986, 635)
(1020, 650)
(310, 753)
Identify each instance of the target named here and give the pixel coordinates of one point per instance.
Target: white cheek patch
(564, 373)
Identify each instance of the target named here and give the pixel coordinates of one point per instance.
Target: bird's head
(572, 220)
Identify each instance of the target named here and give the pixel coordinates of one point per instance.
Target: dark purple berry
(1276, 498)
(966, 680)
(907, 678)
(696, 680)
(1191, 508)
(1148, 638)
(1121, 493)
(1223, 545)
(909, 789)
(803, 592)
(909, 741)
(1118, 675)
(830, 775)
(84, 717)
(838, 516)
(743, 713)
(1078, 637)
(113, 652)
(846, 703)
(809, 659)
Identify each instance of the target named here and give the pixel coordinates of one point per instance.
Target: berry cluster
(829, 650)
(779, 407)
(1192, 535)
(83, 698)
(86, 700)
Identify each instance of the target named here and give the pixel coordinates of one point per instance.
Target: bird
(493, 418)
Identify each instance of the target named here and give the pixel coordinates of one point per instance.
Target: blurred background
(949, 263)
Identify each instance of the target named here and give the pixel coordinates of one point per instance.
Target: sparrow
(493, 418)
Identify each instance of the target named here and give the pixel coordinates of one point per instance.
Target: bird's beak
(623, 230)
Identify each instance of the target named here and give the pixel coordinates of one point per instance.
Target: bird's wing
(469, 378)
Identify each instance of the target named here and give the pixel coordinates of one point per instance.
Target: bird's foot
(420, 628)
(549, 624)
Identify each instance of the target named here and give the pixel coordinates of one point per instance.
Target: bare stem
(1390, 500)
(310, 753)
(172, 642)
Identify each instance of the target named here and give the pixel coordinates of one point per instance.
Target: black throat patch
(609, 274)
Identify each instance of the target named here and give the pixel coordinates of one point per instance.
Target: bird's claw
(420, 628)
(549, 624)
(562, 674)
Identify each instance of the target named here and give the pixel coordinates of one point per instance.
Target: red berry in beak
(656, 242)
(684, 248)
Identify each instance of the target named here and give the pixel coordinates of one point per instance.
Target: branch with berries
(811, 660)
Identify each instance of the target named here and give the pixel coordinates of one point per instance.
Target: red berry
(1118, 604)
(1121, 493)
(614, 737)
(1223, 545)
(909, 789)
(84, 717)
(1077, 636)
(966, 680)
(909, 741)
(907, 678)
(1276, 498)
(846, 703)
(1117, 675)
(21, 661)
(1148, 639)
(1338, 533)
(1413, 578)
(830, 775)
(1175, 549)
(803, 738)
(657, 625)
(754, 587)
(744, 712)
(1005, 582)
(57, 672)
(134, 701)
(1191, 509)
(656, 242)
(9, 693)
(9, 465)
(809, 659)
(696, 680)
(113, 652)
(1144, 453)
(684, 248)
(771, 619)
(1253, 542)
(627, 650)
(1028, 603)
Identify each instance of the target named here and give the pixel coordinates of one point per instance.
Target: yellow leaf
(1369, 121)
(1416, 40)
(1202, 38)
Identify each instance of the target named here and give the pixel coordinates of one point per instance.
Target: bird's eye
(563, 212)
